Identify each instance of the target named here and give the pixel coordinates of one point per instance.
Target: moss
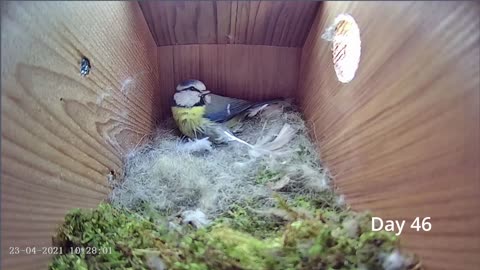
(113, 233)
(326, 199)
(69, 262)
(266, 175)
(245, 219)
(321, 240)
(225, 248)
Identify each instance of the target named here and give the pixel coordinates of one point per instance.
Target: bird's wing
(221, 109)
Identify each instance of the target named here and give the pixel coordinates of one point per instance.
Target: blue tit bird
(199, 113)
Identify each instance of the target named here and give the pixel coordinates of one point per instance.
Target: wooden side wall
(402, 139)
(62, 133)
(251, 72)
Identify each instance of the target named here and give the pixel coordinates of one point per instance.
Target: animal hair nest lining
(172, 175)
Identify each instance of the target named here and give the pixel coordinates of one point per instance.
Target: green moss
(230, 248)
(69, 262)
(266, 175)
(245, 219)
(114, 234)
(240, 240)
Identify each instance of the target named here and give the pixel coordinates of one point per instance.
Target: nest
(261, 202)
(172, 175)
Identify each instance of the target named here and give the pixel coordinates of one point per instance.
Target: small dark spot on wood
(85, 66)
(61, 99)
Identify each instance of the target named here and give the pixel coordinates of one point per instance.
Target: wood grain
(252, 72)
(274, 23)
(63, 133)
(402, 139)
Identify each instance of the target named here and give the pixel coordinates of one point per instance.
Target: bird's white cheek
(187, 98)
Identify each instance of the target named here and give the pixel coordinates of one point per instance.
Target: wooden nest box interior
(401, 138)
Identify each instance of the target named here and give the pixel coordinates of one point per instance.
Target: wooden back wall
(243, 49)
(402, 138)
(253, 72)
(271, 23)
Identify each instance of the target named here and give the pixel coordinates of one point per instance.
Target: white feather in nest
(155, 262)
(196, 145)
(195, 217)
(267, 144)
(264, 148)
(395, 261)
(284, 136)
(256, 110)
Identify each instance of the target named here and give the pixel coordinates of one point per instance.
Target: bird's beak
(206, 92)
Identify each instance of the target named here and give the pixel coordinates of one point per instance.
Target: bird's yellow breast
(190, 121)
